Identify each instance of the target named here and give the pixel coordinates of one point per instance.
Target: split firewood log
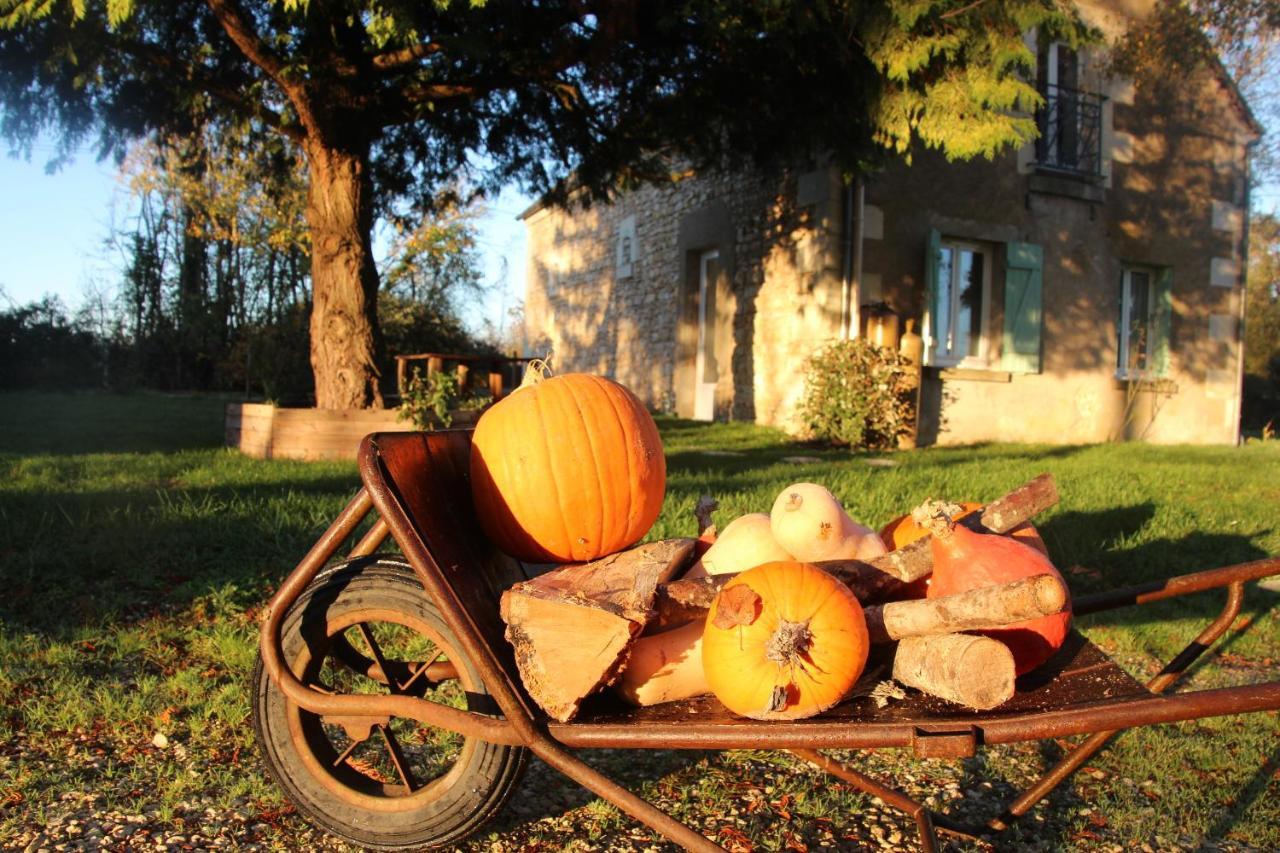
(572, 627)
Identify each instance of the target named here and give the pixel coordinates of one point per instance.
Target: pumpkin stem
(937, 517)
(790, 641)
(536, 371)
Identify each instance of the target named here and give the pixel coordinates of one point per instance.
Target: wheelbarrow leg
(1087, 748)
(640, 809)
(896, 799)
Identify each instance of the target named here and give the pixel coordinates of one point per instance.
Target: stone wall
(613, 288)
(1172, 197)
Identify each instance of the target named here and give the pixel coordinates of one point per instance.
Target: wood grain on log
(971, 670)
(572, 627)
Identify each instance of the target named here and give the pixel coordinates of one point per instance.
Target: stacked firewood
(574, 628)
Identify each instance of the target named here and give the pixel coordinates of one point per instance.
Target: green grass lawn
(135, 553)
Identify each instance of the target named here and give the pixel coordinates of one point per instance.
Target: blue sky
(54, 229)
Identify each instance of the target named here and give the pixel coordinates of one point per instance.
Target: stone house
(1085, 288)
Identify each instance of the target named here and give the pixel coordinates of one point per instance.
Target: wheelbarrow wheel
(366, 626)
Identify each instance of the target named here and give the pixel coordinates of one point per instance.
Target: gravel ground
(745, 800)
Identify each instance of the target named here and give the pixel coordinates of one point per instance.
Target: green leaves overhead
(118, 11)
(615, 93)
(959, 76)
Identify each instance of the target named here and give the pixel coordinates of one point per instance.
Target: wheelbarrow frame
(412, 481)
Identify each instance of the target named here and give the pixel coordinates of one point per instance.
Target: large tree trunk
(344, 281)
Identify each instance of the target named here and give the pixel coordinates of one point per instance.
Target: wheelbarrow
(388, 706)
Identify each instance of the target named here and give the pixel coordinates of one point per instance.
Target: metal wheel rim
(304, 730)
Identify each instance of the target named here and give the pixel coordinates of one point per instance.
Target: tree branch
(393, 60)
(440, 91)
(242, 34)
(241, 31)
(228, 94)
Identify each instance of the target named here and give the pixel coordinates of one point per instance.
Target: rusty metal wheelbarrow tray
(418, 485)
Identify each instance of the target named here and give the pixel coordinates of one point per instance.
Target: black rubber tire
(478, 791)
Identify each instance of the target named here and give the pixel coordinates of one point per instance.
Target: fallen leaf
(737, 605)
(737, 841)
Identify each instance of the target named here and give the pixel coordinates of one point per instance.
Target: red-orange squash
(783, 641)
(964, 560)
(567, 469)
(903, 530)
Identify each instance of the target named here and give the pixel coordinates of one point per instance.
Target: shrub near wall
(858, 394)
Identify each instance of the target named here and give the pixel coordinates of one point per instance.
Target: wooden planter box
(270, 432)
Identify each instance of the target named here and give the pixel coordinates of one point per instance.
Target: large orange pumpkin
(567, 469)
(783, 641)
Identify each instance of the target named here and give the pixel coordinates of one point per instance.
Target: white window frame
(940, 354)
(1126, 308)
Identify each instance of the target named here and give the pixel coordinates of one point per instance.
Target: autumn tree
(390, 101)
(1262, 304)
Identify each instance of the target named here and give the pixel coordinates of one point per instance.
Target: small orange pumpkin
(567, 469)
(783, 641)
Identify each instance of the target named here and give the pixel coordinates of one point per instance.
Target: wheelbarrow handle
(1175, 586)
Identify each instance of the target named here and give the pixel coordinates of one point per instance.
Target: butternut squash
(665, 667)
(745, 543)
(810, 523)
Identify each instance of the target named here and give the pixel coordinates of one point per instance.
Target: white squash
(810, 523)
(746, 542)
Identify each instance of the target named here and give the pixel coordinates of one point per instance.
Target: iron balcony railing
(1070, 124)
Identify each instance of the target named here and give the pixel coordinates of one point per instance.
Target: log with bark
(975, 610)
(572, 628)
(970, 670)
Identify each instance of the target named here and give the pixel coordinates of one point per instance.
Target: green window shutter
(1161, 320)
(933, 255)
(1023, 282)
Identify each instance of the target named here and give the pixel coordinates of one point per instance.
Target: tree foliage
(391, 101)
(1262, 306)
(506, 91)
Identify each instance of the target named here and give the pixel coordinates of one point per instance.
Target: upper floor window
(1070, 120)
(625, 253)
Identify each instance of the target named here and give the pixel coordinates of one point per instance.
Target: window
(1070, 120)
(960, 288)
(961, 304)
(626, 251)
(1145, 303)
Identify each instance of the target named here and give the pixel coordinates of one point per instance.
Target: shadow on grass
(1253, 790)
(70, 560)
(102, 422)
